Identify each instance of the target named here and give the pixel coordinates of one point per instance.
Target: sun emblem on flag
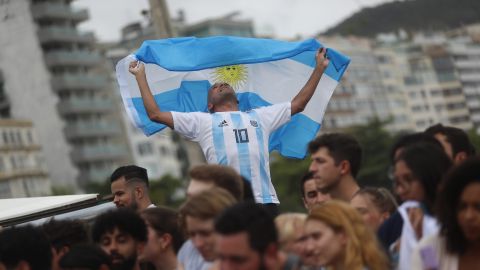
(235, 76)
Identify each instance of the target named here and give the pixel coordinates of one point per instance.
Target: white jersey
(238, 139)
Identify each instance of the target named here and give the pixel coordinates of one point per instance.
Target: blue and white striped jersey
(238, 139)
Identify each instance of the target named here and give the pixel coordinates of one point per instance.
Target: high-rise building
(159, 152)
(26, 91)
(412, 83)
(464, 47)
(433, 87)
(55, 78)
(228, 25)
(361, 95)
(79, 79)
(392, 66)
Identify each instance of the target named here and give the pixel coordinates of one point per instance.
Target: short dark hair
(250, 218)
(455, 136)
(25, 243)
(85, 256)
(341, 147)
(305, 178)
(165, 220)
(221, 176)
(447, 205)
(409, 139)
(130, 172)
(65, 233)
(123, 219)
(429, 163)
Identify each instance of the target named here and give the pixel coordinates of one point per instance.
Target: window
(145, 148)
(163, 150)
(5, 191)
(29, 137)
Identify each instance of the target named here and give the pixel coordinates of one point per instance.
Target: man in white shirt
(228, 136)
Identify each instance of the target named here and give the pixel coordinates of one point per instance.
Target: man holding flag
(247, 131)
(237, 97)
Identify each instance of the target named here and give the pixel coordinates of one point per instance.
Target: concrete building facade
(27, 92)
(23, 171)
(361, 95)
(86, 102)
(54, 77)
(159, 152)
(464, 47)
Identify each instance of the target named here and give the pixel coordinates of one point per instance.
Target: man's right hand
(137, 68)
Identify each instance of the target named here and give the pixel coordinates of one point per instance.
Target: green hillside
(410, 15)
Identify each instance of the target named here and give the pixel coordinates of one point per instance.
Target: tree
(474, 139)
(286, 174)
(168, 191)
(375, 141)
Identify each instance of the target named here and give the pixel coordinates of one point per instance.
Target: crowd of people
(231, 219)
(430, 221)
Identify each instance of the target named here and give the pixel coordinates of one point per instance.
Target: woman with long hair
(419, 169)
(338, 238)
(457, 246)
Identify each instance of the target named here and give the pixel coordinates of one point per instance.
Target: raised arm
(153, 111)
(299, 102)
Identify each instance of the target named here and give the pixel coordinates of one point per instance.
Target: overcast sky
(281, 18)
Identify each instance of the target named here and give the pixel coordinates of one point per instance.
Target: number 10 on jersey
(241, 135)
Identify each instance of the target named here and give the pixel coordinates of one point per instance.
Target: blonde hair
(206, 205)
(288, 225)
(362, 248)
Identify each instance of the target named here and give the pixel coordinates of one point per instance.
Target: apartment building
(23, 172)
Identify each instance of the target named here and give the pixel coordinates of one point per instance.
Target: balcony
(64, 34)
(92, 153)
(82, 130)
(77, 105)
(465, 49)
(49, 10)
(467, 64)
(72, 58)
(78, 81)
(470, 77)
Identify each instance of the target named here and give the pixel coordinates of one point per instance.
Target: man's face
(219, 93)
(202, 235)
(234, 253)
(313, 195)
(196, 187)
(123, 194)
(121, 248)
(325, 172)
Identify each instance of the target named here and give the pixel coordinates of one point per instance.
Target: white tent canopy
(19, 210)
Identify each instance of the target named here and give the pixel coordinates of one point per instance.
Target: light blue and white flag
(262, 71)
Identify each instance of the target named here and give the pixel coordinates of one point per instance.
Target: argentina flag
(180, 72)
